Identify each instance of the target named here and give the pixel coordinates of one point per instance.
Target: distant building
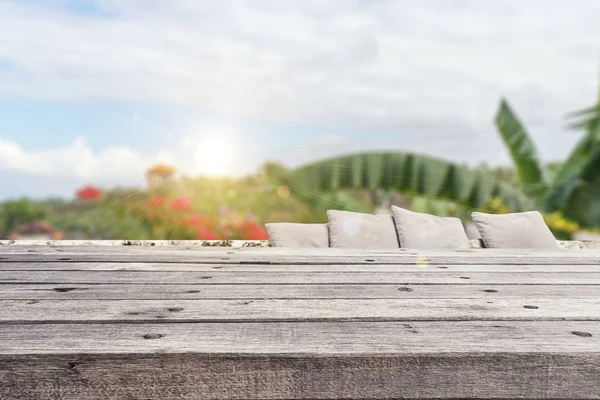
(39, 230)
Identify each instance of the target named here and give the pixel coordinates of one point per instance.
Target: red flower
(205, 234)
(89, 193)
(192, 220)
(253, 231)
(155, 202)
(180, 203)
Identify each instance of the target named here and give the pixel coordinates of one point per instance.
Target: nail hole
(247, 302)
(464, 277)
(369, 260)
(581, 334)
(193, 291)
(443, 267)
(153, 336)
(490, 291)
(33, 302)
(217, 267)
(405, 289)
(132, 313)
(206, 277)
(531, 307)
(64, 259)
(175, 309)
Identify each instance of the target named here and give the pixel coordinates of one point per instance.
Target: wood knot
(72, 368)
(151, 336)
(531, 307)
(64, 289)
(581, 334)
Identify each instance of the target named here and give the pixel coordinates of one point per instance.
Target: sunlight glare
(214, 156)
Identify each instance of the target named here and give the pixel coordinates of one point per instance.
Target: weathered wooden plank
(296, 338)
(374, 291)
(314, 278)
(299, 310)
(302, 260)
(267, 268)
(328, 252)
(293, 256)
(476, 243)
(194, 376)
(61, 249)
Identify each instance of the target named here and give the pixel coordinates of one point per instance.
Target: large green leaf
(576, 189)
(520, 146)
(408, 173)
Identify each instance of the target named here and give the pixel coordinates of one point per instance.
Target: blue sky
(96, 91)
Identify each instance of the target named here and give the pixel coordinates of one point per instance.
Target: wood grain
(194, 376)
(10, 254)
(302, 338)
(268, 268)
(133, 291)
(66, 311)
(310, 278)
(172, 322)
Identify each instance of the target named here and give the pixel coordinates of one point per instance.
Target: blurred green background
(173, 205)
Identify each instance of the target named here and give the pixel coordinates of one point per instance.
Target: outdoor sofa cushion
(425, 231)
(284, 234)
(525, 230)
(352, 230)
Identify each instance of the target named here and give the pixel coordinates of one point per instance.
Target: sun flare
(214, 156)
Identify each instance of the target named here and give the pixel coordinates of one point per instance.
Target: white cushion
(284, 234)
(425, 231)
(525, 230)
(353, 230)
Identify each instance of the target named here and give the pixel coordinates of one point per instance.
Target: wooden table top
(100, 322)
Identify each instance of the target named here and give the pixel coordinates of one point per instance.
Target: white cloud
(79, 163)
(433, 68)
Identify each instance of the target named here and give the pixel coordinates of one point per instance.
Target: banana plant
(573, 187)
(408, 173)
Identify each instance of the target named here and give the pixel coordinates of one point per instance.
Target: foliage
(562, 227)
(408, 173)
(520, 147)
(18, 212)
(572, 187)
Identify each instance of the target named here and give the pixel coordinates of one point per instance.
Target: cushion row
(409, 229)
